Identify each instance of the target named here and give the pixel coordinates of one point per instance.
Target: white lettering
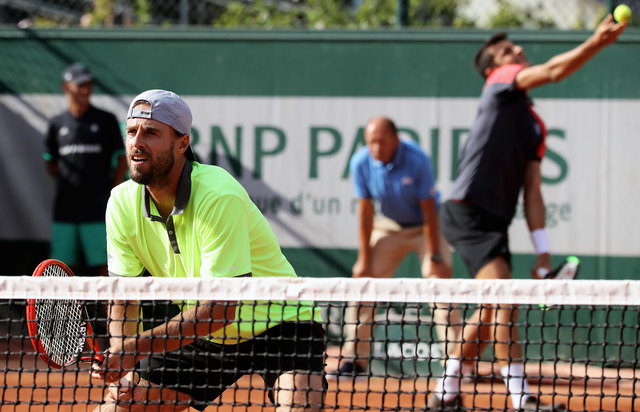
(420, 351)
(81, 340)
(79, 148)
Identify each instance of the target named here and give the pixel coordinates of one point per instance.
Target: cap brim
(82, 79)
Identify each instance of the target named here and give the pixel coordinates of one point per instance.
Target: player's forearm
(534, 210)
(364, 244)
(199, 321)
(431, 231)
(365, 225)
(431, 227)
(565, 64)
(123, 321)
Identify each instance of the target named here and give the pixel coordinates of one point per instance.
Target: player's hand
(123, 389)
(608, 31)
(438, 269)
(542, 265)
(361, 269)
(116, 364)
(130, 389)
(109, 370)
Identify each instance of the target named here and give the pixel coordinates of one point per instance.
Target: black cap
(77, 73)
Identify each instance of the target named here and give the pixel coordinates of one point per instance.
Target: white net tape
(548, 292)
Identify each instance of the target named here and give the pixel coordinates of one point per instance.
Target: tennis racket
(59, 328)
(567, 270)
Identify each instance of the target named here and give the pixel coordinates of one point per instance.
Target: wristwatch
(436, 258)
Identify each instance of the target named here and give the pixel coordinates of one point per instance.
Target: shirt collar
(182, 195)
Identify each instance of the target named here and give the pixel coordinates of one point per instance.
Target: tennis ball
(622, 13)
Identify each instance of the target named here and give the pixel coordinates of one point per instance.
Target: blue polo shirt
(399, 186)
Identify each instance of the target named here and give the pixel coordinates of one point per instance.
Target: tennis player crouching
(178, 218)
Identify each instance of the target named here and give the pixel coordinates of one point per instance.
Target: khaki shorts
(391, 243)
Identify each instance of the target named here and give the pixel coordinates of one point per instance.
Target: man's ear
(185, 141)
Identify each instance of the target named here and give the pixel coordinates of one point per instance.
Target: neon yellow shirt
(214, 230)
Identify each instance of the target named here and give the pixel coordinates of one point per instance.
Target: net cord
(519, 291)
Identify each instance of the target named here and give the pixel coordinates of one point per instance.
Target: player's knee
(507, 308)
(300, 391)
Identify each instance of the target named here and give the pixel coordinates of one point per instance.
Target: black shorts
(204, 369)
(477, 236)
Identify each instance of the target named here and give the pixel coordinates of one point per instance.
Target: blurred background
(281, 91)
(310, 14)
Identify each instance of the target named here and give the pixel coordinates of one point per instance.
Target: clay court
(584, 388)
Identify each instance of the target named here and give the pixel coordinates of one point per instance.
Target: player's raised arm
(563, 65)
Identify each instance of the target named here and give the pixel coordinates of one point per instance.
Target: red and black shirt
(506, 135)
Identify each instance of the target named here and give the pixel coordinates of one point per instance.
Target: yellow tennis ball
(622, 13)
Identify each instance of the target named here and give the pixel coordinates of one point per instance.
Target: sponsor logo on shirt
(80, 148)
(537, 128)
(407, 180)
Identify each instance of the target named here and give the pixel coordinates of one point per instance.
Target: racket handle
(542, 273)
(569, 269)
(98, 358)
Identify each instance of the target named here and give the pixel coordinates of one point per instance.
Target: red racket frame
(32, 324)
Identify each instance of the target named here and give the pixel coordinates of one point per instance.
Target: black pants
(204, 369)
(477, 236)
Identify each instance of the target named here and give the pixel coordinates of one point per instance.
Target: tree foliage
(330, 14)
(511, 16)
(110, 13)
(327, 14)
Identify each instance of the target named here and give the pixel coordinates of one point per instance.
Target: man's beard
(157, 174)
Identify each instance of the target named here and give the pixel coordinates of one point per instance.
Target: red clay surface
(584, 388)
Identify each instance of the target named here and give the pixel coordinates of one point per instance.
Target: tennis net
(579, 341)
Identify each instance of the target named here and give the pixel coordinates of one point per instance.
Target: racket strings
(61, 329)
(61, 325)
(55, 270)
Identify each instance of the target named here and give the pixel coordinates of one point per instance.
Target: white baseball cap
(166, 107)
